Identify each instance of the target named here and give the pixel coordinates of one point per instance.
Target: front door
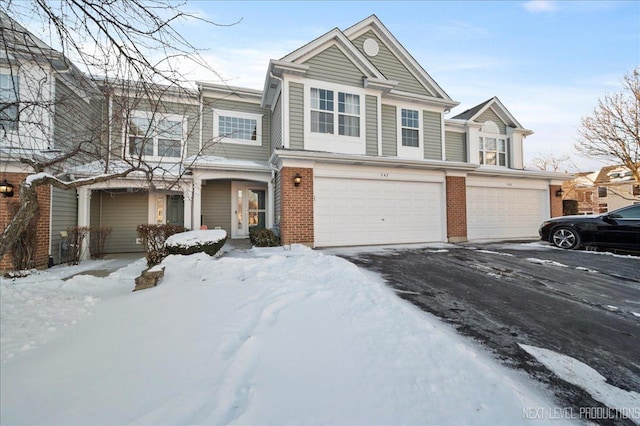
(249, 209)
(175, 210)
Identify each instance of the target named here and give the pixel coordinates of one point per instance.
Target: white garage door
(503, 213)
(367, 211)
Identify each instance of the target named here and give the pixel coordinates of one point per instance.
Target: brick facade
(296, 214)
(555, 202)
(456, 209)
(42, 236)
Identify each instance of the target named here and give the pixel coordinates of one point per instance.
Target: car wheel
(565, 238)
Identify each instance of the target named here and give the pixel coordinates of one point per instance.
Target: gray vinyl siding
(332, 65)
(455, 146)
(123, 212)
(276, 125)
(296, 116)
(216, 205)
(390, 66)
(389, 131)
(371, 108)
(212, 146)
(432, 125)
(64, 214)
(489, 115)
(75, 121)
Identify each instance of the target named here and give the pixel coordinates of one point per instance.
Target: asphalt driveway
(582, 304)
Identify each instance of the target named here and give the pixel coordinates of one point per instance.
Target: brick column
(555, 202)
(296, 209)
(456, 209)
(43, 225)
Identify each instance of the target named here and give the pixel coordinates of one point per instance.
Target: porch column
(197, 202)
(187, 194)
(270, 204)
(84, 217)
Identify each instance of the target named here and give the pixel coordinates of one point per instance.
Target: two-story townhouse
(47, 108)
(363, 126)
(347, 144)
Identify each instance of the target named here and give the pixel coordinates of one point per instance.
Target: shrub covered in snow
(190, 242)
(153, 238)
(262, 237)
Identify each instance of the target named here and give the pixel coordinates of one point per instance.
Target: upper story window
(237, 127)
(9, 110)
(410, 127)
(323, 112)
(602, 192)
(156, 135)
(409, 133)
(492, 145)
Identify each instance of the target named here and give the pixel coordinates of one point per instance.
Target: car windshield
(626, 213)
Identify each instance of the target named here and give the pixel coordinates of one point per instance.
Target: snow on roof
(223, 162)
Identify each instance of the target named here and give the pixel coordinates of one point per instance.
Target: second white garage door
(505, 213)
(366, 211)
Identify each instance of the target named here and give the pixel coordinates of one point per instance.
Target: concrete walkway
(113, 262)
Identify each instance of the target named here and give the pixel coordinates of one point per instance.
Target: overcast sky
(547, 61)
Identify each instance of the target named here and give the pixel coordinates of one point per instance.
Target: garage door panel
(500, 213)
(367, 211)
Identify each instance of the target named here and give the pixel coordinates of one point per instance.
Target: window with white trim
(324, 115)
(492, 145)
(410, 125)
(9, 110)
(156, 135)
(237, 127)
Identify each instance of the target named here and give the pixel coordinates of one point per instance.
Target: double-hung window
(410, 127)
(237, 127)
(156, 135)
(493, 151)
(492, 146)
(9, 110)
(324, 113)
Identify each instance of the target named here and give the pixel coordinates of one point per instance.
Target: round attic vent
(371, 47)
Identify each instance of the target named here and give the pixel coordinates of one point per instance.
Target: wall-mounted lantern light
(6, 189)
(297, 179)
(559, 193)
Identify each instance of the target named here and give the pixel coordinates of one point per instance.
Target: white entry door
(249, 208)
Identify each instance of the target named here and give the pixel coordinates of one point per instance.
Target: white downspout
(284, 107)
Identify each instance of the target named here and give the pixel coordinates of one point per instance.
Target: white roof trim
(503, 113)
(374, 24)
(335, 37)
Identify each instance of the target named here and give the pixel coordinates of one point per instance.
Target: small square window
(602, 192)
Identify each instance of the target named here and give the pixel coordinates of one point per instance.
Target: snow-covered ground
(267, 336)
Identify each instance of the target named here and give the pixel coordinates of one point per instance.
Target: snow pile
(192, 238)
(580, 374)
(273, 337)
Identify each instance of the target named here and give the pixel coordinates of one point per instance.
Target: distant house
(347, 144)
(608, 189)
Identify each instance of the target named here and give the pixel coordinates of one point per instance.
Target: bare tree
(113, 57)
(612, 131)
(549, 162)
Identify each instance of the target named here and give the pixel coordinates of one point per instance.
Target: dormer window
(492, 145)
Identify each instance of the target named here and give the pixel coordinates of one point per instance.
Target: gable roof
(498, 108)
(373, 23)
(372, 76)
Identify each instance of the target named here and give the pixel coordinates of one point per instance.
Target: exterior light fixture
(559, 193)
(297, 179)
(6, 189)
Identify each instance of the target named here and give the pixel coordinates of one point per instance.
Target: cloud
(540, 6)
